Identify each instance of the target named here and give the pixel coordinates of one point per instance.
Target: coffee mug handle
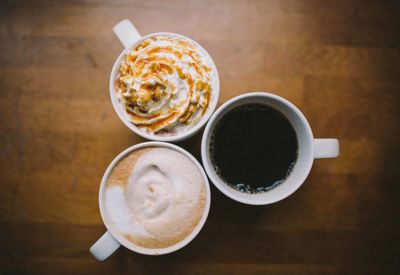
(104, 247)
(126, 33)
(326, 148)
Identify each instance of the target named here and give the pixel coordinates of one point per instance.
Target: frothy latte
(155, 197)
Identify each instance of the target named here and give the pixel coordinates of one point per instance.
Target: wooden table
(338, 61)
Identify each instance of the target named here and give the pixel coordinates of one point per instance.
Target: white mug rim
(173, 138)
(235, 194)
(154, 251)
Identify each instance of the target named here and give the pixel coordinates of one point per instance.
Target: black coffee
(253, 148)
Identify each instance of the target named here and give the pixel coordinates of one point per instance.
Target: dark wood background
(338, 61)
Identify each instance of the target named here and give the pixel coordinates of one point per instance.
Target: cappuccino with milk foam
(154, 197)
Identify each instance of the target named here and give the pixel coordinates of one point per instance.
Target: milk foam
(157, 200)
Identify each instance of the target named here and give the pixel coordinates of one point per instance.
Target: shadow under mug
(112, 239)
(310, 148)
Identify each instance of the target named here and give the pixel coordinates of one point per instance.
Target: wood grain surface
(338, 61)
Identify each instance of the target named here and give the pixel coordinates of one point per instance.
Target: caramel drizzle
(134, 65)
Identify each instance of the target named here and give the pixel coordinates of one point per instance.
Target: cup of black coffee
(258, 148)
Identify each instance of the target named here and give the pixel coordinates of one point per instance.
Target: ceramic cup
(130, 38)
(112, 240)
(310, 148)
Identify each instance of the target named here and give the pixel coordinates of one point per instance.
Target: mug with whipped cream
(163, 86)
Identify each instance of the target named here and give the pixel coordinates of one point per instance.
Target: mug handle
(104, 247)
(126, 33)
(326, 148)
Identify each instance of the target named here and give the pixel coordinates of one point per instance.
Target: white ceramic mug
(309, 149)
(130, 38)
(112, 240)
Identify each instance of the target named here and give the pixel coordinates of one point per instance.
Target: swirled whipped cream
(165, 84)
(155, 197)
